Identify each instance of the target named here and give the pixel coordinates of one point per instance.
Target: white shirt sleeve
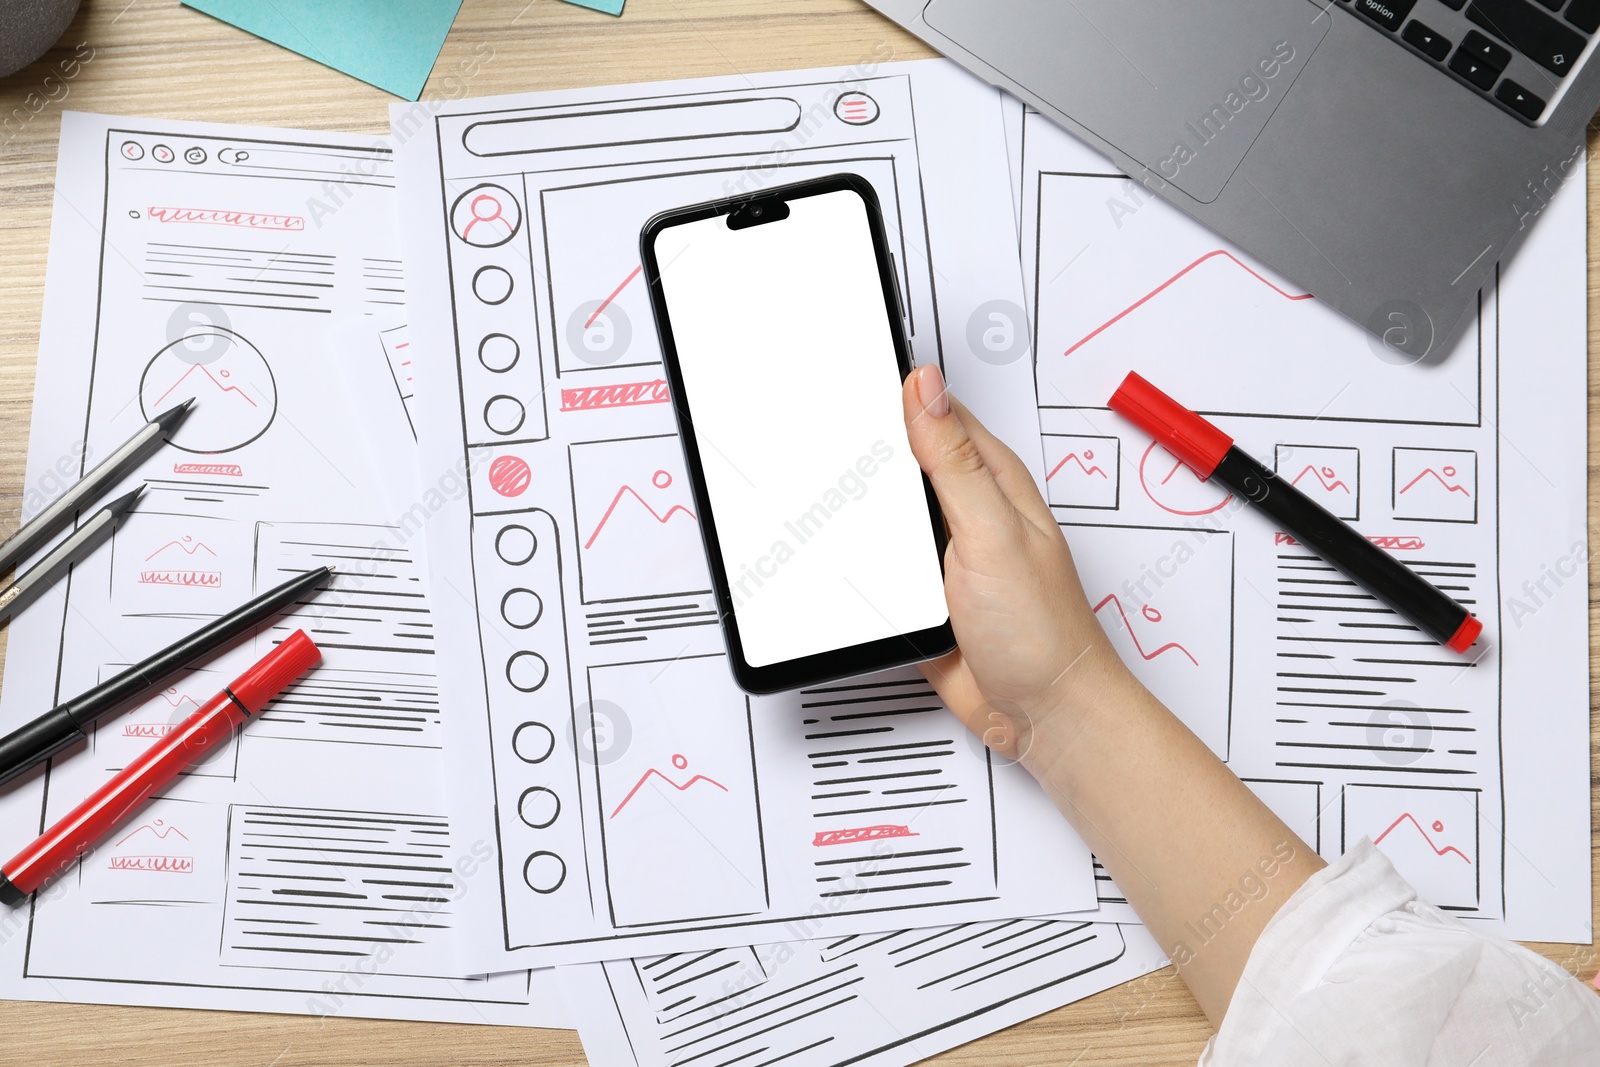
(1354, 969)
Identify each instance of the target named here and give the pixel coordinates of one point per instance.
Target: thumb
(966, 487)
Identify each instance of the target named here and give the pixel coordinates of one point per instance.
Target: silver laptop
(1384, 154)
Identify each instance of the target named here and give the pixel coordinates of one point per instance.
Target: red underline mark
(1158, 290)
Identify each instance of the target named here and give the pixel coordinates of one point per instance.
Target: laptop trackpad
(1183, 86)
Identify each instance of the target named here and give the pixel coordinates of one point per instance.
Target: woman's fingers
(1012, 475)
(968, 492)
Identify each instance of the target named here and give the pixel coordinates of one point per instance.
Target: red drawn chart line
(201, 368)
(1452, 488)
(1111, 598)
(614, 294)
(1158, 290)
(1329, 486)
(627, 490)
(1437, 851)
(1074, 456)
(653, 773)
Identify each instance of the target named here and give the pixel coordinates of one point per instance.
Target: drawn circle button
(533, 742)
(510, 475)
(195, 155)
(521, 608)
(856, 109)
(162, 154)
(504, 414)
(539, 807)
(498, 352)
(492, 285)
(1176, 489)
(486, 216)
(132, 150)
(544, 872)
(515, 544)
(527, 671)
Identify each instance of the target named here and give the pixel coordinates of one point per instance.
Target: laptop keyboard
(1517, 53)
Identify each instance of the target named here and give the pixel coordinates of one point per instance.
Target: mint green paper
(388, 43)
(610, 7)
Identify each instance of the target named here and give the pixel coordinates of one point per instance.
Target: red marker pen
(196, 737)
(1210, 453)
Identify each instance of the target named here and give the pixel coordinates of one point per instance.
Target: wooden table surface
(153, 57)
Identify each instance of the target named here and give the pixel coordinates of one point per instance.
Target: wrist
(1095, 685)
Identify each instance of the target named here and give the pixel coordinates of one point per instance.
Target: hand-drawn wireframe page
(639, 801)
(308, 865)
(1470, 772)
(882, 999)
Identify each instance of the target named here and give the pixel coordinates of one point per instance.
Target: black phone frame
(771, 205)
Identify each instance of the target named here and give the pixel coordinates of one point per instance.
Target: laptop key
(1473, 69)
(1485, 51)
(1386, 13)
(1519, 100)
(1585, 14)
(1426, 41)
(1536, 35)
(1454, 5)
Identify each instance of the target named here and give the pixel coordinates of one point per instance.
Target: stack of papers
(524, 749)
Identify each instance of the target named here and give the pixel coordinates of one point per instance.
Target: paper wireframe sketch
(638, 800)
(882, 999)
(308, 866)
(1468, 772)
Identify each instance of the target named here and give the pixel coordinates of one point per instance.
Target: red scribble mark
(1325, 475)
(159, 828)
(201, 367)
(148, 729)
(1438, 827)
(157, 864)
(1449, 472)
(1158, 290)
(202, 579)
(247, 219)
(661, 480)
(1151, 614)
(1177, 465)
(681, 764)
(510, 475)
(627, 394)
(225, 470)
(1088, 454)
(187, 544)
(1393, 542)
(614, 294)
(861, 833)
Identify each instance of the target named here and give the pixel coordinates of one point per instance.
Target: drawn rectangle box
(680, 812)
(1083, 471)
(1435, 484)
(1329, 475)
(1297, 803)
(117, 740)
(1432, 835)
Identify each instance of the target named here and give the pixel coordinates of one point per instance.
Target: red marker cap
(1466, 634)
(277, 669)
(1197, 443)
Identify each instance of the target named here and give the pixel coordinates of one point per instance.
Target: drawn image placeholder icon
(1436, 484)
(1329, 475)
(1171, 486)
(486, 216)
(1082, 472)
(1431, 835)
(237, 394)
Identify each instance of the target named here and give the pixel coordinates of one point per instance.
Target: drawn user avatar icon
(486, 216)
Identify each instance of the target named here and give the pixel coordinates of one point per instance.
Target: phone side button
(894, 273)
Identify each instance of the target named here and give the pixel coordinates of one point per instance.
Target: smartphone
(784, 341)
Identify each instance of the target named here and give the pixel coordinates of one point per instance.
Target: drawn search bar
(632, 126)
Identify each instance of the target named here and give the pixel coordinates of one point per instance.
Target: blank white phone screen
(794, 391)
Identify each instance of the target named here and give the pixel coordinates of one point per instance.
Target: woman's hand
(1031, 651)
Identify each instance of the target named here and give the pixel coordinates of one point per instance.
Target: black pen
(64, 724)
